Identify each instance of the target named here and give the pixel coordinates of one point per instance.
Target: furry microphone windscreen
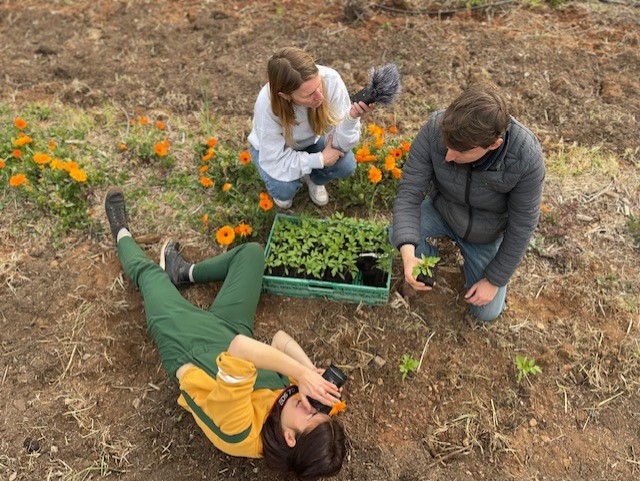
(383, 86)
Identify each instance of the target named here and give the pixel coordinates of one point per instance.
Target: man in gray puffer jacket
(483, 172)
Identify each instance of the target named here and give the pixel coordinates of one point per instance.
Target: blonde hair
(288, 69)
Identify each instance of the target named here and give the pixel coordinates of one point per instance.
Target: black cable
(441, 12)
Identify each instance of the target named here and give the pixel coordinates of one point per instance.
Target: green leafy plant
(408, 365)
(425, 266)
(526, 366)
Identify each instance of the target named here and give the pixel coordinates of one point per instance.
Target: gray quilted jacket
(479, 203)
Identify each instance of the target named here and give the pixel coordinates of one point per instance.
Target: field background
(82, 393)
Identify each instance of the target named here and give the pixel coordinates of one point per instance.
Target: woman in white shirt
(304, 128)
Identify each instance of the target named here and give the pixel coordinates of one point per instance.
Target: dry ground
(81, 390)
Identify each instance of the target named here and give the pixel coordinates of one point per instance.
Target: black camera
(335, 376)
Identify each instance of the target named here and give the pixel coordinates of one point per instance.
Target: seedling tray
(354, 292)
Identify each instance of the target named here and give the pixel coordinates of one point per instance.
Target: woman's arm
(264, 356)
(288, 345)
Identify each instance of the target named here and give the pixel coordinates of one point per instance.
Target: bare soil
(82, 393)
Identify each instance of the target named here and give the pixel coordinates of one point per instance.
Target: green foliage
(407, 365)
(330, 247)
(146, 141)
(526, 366)
(425, 266)
(634, 228)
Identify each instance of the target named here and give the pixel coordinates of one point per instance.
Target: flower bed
(338, 258)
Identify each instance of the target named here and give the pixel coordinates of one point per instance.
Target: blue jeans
(283, 190)
(476, 257)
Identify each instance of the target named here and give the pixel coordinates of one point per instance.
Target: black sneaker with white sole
(116, 211)
(174, 264)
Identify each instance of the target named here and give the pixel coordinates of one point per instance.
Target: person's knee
(284, 190)
(486, 314)
(349, 164)
(254, 252)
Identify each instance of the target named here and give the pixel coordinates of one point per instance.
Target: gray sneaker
(174, 264)
(116, 211)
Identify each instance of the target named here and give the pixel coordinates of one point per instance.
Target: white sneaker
(283, 204)
(318, 193)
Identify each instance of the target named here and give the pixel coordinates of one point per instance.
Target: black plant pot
(428, 280)
(372, 275)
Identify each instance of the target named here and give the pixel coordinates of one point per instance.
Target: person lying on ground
(249, 398)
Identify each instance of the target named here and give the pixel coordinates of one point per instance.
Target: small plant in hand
(407, 366)
(526, 367)
(330, 250)
(424, 271)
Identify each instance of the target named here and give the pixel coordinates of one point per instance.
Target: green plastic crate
(313, 289)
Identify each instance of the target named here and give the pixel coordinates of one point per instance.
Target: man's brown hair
(477, 118)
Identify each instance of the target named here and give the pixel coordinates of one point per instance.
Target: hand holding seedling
(410, 262)
(330, 154)
(481, 293)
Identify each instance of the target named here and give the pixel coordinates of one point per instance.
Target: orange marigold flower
(225, 235)
(205, 218)
(245, 157)
(406, 146)
(52, 145)
(206, 182)
(40, 158)
(143, 120)
(17, 153)
(203, 169)
(393, 129)
(56, 164)
(337, 407)
(212, 142)
(20, 123)
(397, 153)
(379, 142)
(166, 143)
(375, 175)
(22, 140)
(389, 163)
(363, 151)
(209, 155)
(266, 204)
(396, 173)
(122, 146)
(132, 122)
(545, 208)
(78, 175)
(369, 158)
(160, 150)
(263, 195)
(243, 230)
(17, 180)
(2, 164)
(160, 125)
(70, 165)
(226, 187)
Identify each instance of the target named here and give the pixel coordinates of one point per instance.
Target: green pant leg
(174, 323)
(241, 269)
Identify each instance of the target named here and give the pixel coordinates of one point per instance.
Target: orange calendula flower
(225, 235)
(22, 140)
(2, 164)
(203, 169)
(78, 175)
(245, 157)
(545, 208)
(243, 230)
(205, 218)
(337, 407)
(226, 187)
(266, 204)
(379, 142)
(20, 123)
(132, 122)
(406, 146)
(160, 150)
(397, 153)
(166, 143)
(206, 182)
(56, 164)
(160, 125)
(17, 153)
(52, 145)
(212, 142)
(70, 165)
(18, 180)
(263, 195)
(393, 129)
(389, 162)
(396, 173)
(375, 175)
(122, 146)
(143, 120)
(40, 158)
(209, 155)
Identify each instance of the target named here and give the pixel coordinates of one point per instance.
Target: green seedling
(525, 367)
(408, 364)
(423, 271)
